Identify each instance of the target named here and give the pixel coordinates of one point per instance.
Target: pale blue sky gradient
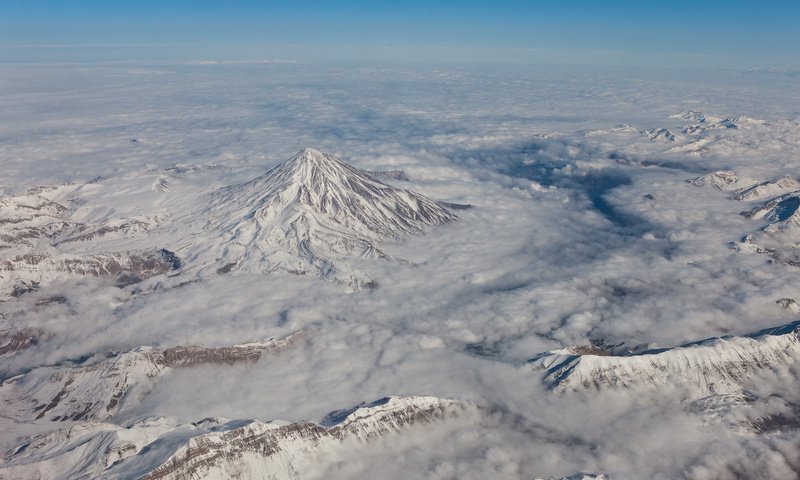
(724, 34)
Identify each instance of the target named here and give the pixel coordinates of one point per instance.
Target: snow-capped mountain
(708, 135)
(42, 242)
(96, 391)
(220, 448)
(789, 304)
(779, 207)
(279, 449)
(311, 212)
(706, 120)
(23, 273)
(697, 117)
(725, 180)
(307, 215)
(770, 188)
(711, 366)
(779, 237)
(660, 135)
(779, 195)
(743, 121)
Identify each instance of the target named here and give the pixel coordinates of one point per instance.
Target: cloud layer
(582, 232)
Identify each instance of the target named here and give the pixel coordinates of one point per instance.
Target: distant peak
(309, 162)
(309, 154)
(315, 206)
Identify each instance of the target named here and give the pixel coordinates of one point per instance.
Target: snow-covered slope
(697, 117)
(660, 135)
(306, 215)
(280, 450)
(712, 136)
(715, 365)
(309, 213)
(725, 180)
(97, 391)
(80, 450)
(42, 242)
(780, 208)
(780, 237)
(27, 272)
(707, 121)
(218, 448)
(770, 188)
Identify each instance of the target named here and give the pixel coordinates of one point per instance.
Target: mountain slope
(97, 391)
(715, 365)
(42, 242)
(279, 449)
(771, 188)
(725, 180)
(309, 213)
(219, 448)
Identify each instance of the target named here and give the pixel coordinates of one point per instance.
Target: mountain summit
(309, 212)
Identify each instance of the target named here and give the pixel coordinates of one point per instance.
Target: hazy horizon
(734, 34)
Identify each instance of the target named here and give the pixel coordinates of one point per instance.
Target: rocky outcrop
(96, 391)
(154, 448)
(14, 340)
(34, 231)
(277, 449)
(715, 365)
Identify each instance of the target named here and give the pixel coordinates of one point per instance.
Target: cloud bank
(583, 231)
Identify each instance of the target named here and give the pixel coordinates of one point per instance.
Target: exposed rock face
(789, 304)
(34, 231)
(275, 450)
(14, 340)
(716, 365)
(188, 356)
(25, 219)
(309, 213)
(215, 447)
(660, 135)
(96, 391)
(33, 269)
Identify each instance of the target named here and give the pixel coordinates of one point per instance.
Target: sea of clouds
(578, 234)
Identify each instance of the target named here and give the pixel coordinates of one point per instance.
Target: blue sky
(734, 33)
